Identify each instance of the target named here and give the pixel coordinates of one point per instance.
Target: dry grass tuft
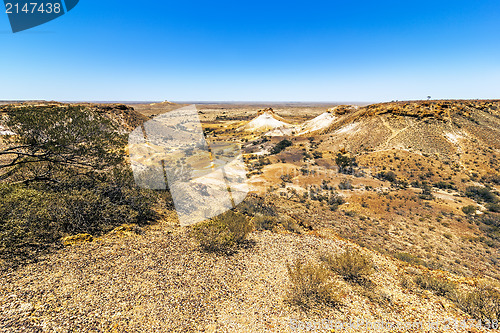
(351, 265)
(312, 283)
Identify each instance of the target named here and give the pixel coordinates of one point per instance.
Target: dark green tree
(345, 163)
(49, 139)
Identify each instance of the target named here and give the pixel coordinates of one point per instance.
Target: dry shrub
(351, 265)
(406, 282)
(264, 222)
(223, 233)
(311, 283)
(481, 303)
(440, 287)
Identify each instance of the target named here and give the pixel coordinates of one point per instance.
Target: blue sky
(257, 51)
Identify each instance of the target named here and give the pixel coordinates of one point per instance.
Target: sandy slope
(160, 282)
(320, 122)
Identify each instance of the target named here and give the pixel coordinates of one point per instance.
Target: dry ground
(160, 281)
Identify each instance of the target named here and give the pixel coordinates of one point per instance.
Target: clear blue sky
(257, 51)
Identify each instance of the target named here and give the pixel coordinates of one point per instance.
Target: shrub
(469, 210)
(264, 222)
(409, 258)
(481, 194)
(491, 220)
(309, 283)
(51, 138)
(389, 176)
(482, 303)
(351, 265)
(345, 184)
(444, 185)
(335, 201)
(253, 205)
(317, 154)
(223, 233)
(439, 286)
(426, 191)
(280, 146)
(493, 207)
(68, 176)
(290, 224)
(34, 218)
(491, 178)
(345, 163)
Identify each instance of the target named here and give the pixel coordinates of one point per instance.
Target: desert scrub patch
(351, 265)
(280, 146)
(481, 303)
(409, 258)
(469, 210)
(439, 286)
(406, 282)
(493, 207)
(223, 233)
(312, 283)
(34, 218)
(253, 205)
(264, 222)
(290, 224)
(481, 194)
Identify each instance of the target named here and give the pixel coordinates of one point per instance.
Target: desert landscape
(356, 215)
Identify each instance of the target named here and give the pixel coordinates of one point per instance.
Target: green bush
(223, 233)
(481, 194)
(345, 163)
(34, 218)
(334, 201)
(345, 184)
(311, 283)
(280, 146)
(493, 207)
(64, 174)
(254, 205)
(351, 265)
(469, 210)
(492, 220)
(388, 176)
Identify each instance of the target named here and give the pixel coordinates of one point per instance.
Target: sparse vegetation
(389, 176)
(264, 222)
(345, 184)
(334, 201)
(409, 258)
(493, 207)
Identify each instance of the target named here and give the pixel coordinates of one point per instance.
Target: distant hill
(266, 120)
